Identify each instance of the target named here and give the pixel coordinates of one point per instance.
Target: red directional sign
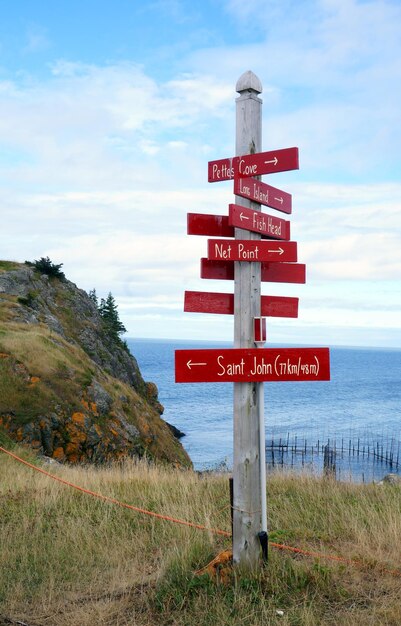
(251, 250)
(258, 222)
(266, 162)
(253, 164)
(270, 272)
(263, 194)
(223, 304)
(218, 226)
(256, 365)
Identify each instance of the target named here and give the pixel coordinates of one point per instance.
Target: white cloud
(85, 125)
(102, 163)
(332, 77)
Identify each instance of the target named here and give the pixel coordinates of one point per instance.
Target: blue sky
(109, 113)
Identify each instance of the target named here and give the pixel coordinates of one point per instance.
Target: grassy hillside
(68, 559)
(39, 370)
(67, 387)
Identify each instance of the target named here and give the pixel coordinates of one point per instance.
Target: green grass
(7, 266)
(68, 559)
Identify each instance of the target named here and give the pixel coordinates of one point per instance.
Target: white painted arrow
(190, 364)
(280, 250)
(279, 200)
(243, 217)
(275, 161)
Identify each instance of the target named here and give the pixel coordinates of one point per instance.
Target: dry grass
(67, 559)
(43, 353)
(37, 355)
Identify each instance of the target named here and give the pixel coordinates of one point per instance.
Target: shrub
(46, 266)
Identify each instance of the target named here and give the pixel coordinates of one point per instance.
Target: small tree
(109, 313)
(45, 266)
(93, 296)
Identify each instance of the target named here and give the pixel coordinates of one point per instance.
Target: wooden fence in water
(365, 457)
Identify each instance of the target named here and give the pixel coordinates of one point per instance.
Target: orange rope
(117, 502)
(331, 557)
(217, 531)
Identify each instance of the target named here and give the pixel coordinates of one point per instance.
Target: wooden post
(247, 295)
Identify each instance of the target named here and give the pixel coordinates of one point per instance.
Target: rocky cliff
(67, 388)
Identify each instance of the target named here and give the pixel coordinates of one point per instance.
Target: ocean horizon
(359, 406)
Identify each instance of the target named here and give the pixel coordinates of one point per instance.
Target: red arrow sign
(258, 222)
(270, 272)
(218, 226)
(253, 164)
(266, 162)
(251, 250)
(223, 304)
(263, 194)
(252, 365)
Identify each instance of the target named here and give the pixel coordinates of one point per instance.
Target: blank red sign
(209, 225)
(270, 272)
(252, 365)
(223, 304)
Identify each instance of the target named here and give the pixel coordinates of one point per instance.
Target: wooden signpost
(256, 249)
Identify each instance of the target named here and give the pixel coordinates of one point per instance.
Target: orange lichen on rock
(71, 448)
(3, 355)
(90, 406)
(59, 454)
(19, 434)
(34, 380)
(78, 418)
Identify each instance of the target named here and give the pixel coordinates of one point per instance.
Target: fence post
(247, 296)
(329, 462)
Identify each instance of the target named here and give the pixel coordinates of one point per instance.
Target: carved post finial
(248, 81)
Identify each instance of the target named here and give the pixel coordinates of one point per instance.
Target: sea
(357, 414)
